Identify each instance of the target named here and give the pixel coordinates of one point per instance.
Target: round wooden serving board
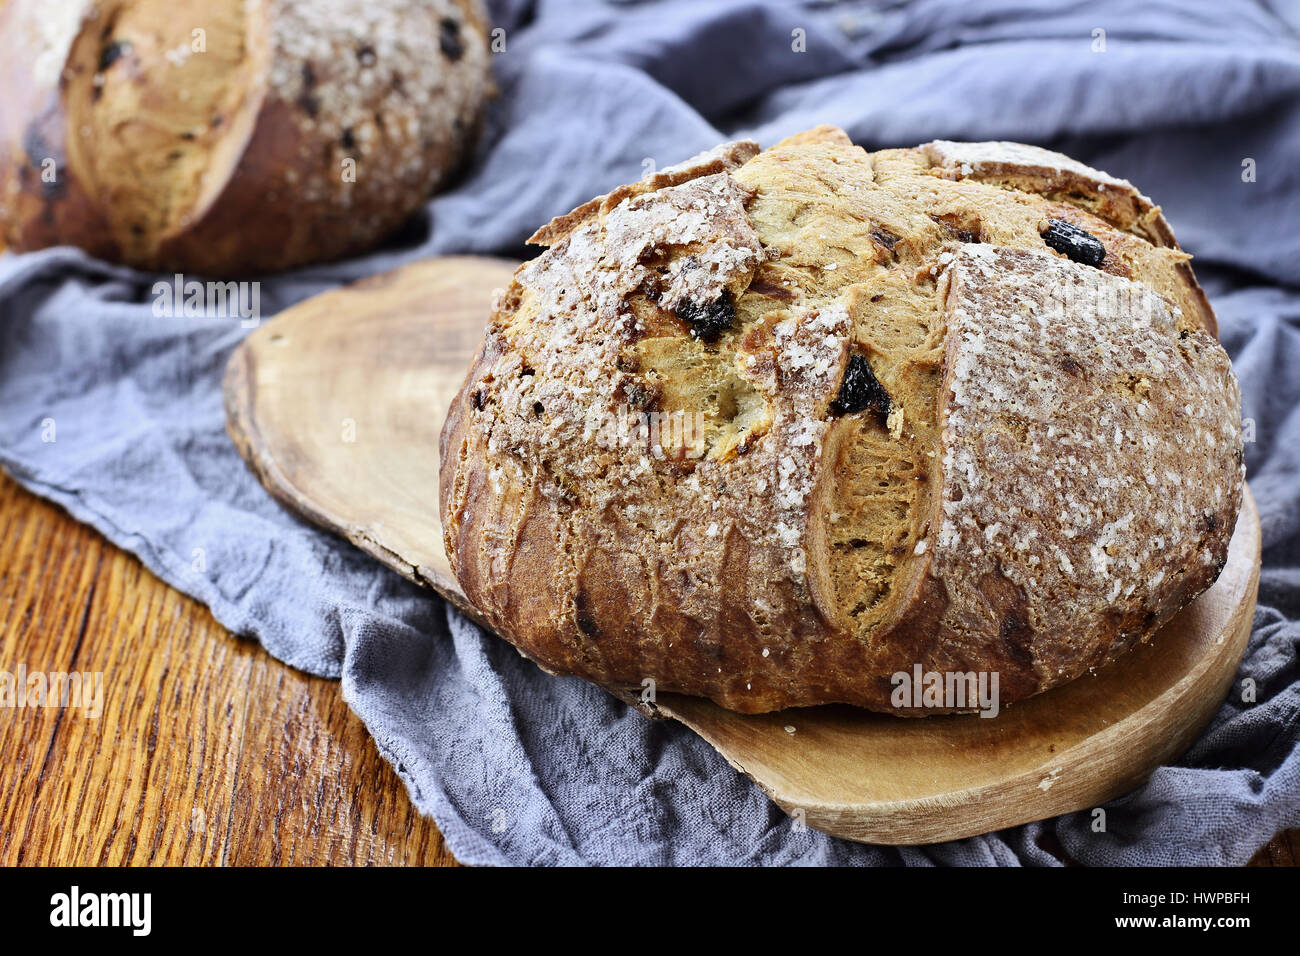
(337, 404)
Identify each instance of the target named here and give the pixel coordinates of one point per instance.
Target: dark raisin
(366, 55)
(478, 399)
(1073, 242)
(965, 226)
(583, 617)
(112, 53)
(449, 39)
(1017, 636)
(885, 238)
(1182, 334)
(638, 396)
(539, 408)
(309, 104)
(308, 75)
(860, 389)
(348, 140)
(710, 320)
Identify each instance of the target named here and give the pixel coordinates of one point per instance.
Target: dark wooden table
(208, 750)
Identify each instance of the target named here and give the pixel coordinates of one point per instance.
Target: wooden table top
(208, 750)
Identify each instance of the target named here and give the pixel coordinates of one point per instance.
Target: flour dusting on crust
(1074, 464)
(975, 159)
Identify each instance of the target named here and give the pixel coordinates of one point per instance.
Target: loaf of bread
(228, 137)
(775, 427)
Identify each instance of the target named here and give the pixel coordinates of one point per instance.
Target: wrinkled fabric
(520, 768)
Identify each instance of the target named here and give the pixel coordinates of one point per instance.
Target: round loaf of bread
(229, 137)
(776, 427)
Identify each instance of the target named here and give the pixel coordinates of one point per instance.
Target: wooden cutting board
(337, 404)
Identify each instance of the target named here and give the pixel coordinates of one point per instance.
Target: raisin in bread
(960, 406)
(229, 137)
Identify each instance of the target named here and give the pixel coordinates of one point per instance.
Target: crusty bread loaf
(228, 137)
(959, 407)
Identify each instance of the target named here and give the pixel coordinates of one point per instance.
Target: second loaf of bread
(959, 407)
(229, 137)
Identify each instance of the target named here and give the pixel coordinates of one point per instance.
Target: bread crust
(984, 517)
(395, 88)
